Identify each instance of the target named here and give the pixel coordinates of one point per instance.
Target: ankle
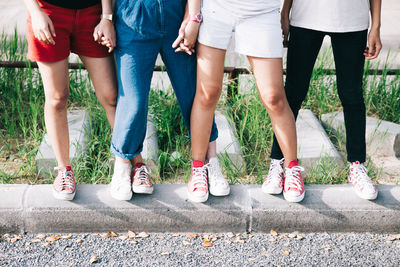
(291, 164)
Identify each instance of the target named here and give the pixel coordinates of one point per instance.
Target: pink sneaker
(141, 182)
(273, 184)
(198, 185)
(362, 184)
(294, 186)
(64, 185)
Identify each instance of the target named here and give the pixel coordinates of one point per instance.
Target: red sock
(197, 163)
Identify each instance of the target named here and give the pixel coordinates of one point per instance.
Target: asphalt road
(180, 249)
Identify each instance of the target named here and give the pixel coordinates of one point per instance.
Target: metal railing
(233, 73)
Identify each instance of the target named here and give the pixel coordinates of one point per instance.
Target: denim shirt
(148, 19)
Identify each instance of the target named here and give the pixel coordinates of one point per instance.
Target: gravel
(160, 249)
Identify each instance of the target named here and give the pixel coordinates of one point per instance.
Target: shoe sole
(220, 193)
(197, 200)
(63, 196)
(272, 192)
(122, 197)
(368, 197)
(142, 189)
(294, 199)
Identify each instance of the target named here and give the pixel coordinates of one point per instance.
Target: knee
(209, 98)
(274, 102)
(58, 101)
(109, 100)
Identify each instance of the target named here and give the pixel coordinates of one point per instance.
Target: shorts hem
(212, 44)
(47, 60)
(260, 55)
(92, 55)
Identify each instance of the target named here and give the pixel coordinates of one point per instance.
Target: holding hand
(187, 37)
(104, 34)
(374, 45)
(285, 29)
(43, 27)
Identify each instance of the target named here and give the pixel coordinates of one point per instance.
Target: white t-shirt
(249, 8)
(331, 15)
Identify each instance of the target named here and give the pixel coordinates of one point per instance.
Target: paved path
(180, 250)
(14, 13)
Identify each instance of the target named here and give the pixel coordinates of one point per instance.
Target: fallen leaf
(238, 234)
(283, 236)
(376, 239)
(214, 239)
(46, 244)
(175, 235)
(6, 235)
(160, 237)
(1, 239)
(206, 238)
(123, 237)
(131, 234)
(191, 235)
(292, 235)
(265, 253)
(287, 253)
(165, 253)
(252, 259)
(113, 234)
(51, 238)
(220, 235)
(143, 235)
(340, 238)
(228, 242)
(93, 259)
(391, 238)
(36, 241)
(241, 241)
(66, 236)
(299, 237)
(18, 237)
(230, 235)
(83, 236)
(78, 241)
(105, 235)
(398, 237)
(12, 240)
(249, 235)
(27, 244)
(273, 232)
(328, 249)
(207, 244)
(272, 240)
(41, 236)
(186, 243)
(133, 242)
(286, 244)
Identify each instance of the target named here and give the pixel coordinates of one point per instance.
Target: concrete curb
(314, 144)
(79, 128)
(383, 137)
(333, 208)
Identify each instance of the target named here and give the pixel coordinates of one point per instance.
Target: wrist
(108, 17)
(375, 27)
(198, 18)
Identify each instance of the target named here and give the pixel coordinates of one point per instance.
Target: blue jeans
(146, 28)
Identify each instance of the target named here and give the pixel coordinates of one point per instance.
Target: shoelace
(218, 177)
(360, 175)
(142, 174)
(275, 171)
(66, 178)
(199, 178)
(293, 176)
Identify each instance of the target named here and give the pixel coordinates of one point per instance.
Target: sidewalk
(333, 208)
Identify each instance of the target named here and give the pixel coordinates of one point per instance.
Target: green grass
(22, 125)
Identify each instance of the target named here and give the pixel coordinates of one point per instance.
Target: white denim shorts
(257, 36)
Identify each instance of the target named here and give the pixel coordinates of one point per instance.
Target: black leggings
(348, 48)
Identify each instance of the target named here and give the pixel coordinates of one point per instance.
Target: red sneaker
(294, 190)
(64, 185)
(198, 185)
(141, 182)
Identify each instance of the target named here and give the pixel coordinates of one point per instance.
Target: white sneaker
(120, 186)
(219, 186)
(363, 185)
(273, 184)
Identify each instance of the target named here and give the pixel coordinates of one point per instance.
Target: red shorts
(74, 33)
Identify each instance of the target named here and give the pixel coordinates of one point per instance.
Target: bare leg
(212, 150)
(210, 70)
(102, 73)
(269, 79)
(56, 89)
